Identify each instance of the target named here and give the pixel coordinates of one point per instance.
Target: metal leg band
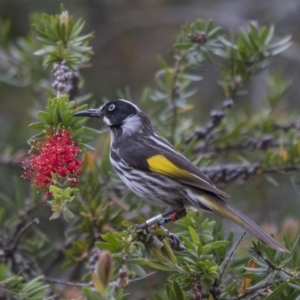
(154, 220)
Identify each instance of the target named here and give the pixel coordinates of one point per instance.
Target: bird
(155, 171)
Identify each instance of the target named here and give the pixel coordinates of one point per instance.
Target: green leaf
(157, 297)
(188, 243)
(277, 292)
(294, 286)
(279, 49)
(160, 232)
(127, 224)
(37, 126)
(91, 131)
(214, 33)
(140, 219)
(78, 123)
(104, 246)
(190, 147)
(192, 77)
(55, 190)
(162, 63)
(158, 266)
(85, 139)
(138, 270)
(183, 46)
(270, 34)
(45, 116)
(34, 288)
(218, 244)
(67, 119)
(86, 147)
(194, 235)
(114, 243)
(45, 50)
(178, 291)
(168, 290)
(269, 278)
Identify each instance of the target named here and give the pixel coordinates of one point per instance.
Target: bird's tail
(222, 208)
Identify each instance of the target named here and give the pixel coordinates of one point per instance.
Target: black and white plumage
(155, 171)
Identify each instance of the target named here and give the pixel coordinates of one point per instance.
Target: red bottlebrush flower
(57, 154)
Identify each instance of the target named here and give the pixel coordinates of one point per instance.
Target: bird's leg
(161, 219)
(172, 216)
(150, 222)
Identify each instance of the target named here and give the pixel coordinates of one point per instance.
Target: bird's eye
(111, 107)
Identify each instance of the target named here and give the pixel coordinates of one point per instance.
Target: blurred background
(129, 36)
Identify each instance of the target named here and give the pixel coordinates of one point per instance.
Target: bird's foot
(150, 234)
(175, 242)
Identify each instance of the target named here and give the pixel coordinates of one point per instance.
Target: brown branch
(207, 132)
(250, 144)
(231, 172)
(262, 143)
(287, 127)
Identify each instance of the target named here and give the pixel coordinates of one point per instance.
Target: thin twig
(83, 284)
(230, 256)
(62, 282)
(142, 277)
(21, 232)
(214, 289)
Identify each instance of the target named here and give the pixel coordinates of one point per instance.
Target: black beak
(94, 112)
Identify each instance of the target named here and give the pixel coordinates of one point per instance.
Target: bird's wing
(178, 167)
(159, 156)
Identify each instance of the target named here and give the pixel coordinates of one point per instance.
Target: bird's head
(118, 114)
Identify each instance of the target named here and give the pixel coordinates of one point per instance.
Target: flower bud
(199, 37)
(290, 227)
(105, 268)
(64, 18)
(61, 87)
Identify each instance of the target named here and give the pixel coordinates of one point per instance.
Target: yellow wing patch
(160, 164)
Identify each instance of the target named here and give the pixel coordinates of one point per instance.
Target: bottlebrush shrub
(56, 155)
